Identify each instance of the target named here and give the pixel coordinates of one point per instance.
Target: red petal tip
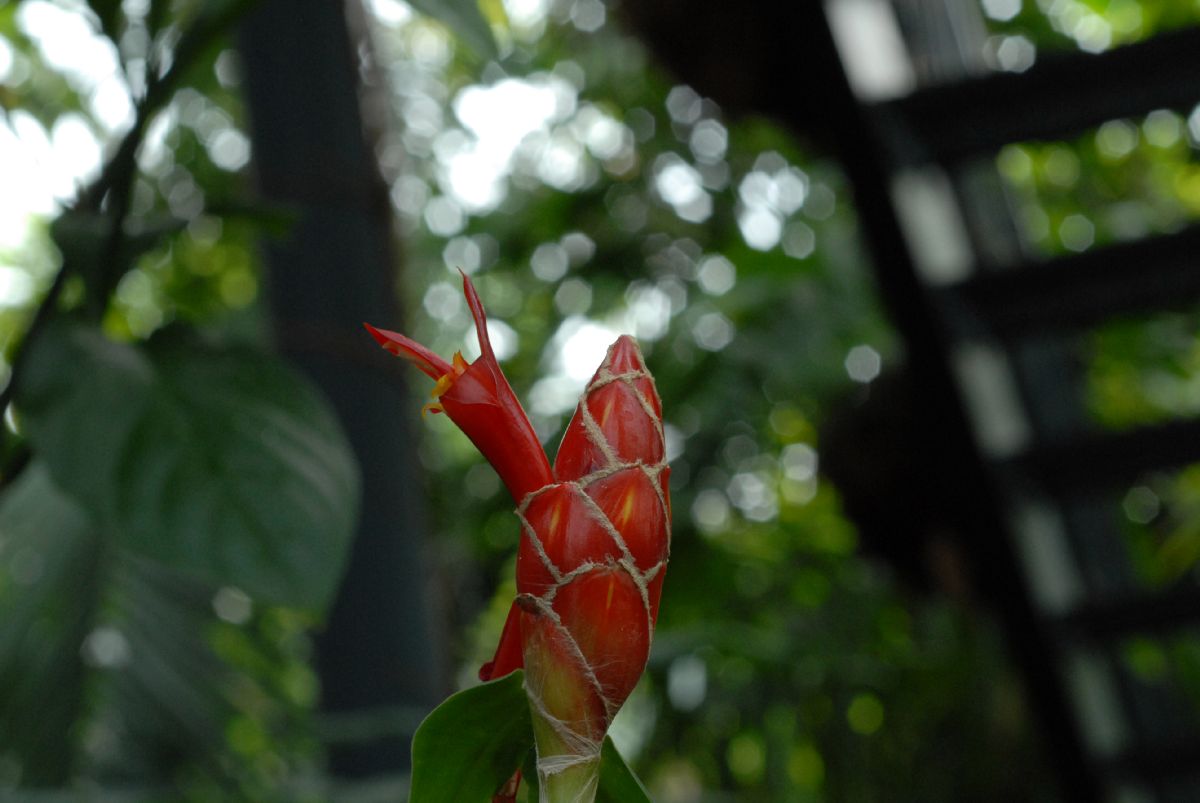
(625, 355)
(480, 318)
(395, 343)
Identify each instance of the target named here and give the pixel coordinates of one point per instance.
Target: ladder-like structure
(1043, 484)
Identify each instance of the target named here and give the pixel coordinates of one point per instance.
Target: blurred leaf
(219, 462)
(466, 20)
(618, 784)
(48, 585)
(109, 13)
(472, 743)
(76, 616)
(82, 238)
(529, 777)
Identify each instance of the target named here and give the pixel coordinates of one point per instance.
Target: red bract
(595, 537)
(478, 398)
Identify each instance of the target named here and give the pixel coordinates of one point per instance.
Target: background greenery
(152, 636)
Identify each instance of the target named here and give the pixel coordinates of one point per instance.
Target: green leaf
(472, 743)
(219, 462)
(48, 586)
(466, 20)
(96, 640)
(618, 784)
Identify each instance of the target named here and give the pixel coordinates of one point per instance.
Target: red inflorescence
(595, 534)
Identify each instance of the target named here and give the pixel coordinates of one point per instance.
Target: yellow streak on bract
(628, 505)
(612, 586)
(556, 517)
(605, 411)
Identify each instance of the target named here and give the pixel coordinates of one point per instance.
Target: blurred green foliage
(1127, 179)
(787, 666)
(175, 503)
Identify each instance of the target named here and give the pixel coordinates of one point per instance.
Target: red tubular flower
(595, 538)
(478, 398)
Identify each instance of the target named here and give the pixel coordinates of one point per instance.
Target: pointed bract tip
(625, 355)
(479, 316)
(399, 345)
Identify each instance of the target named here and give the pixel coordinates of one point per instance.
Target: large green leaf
(99, 643)
(618, 784)
(48, 588)
(472, 743)
(219, 462)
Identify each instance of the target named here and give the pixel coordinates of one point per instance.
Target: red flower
(595, 537)
(478, 398)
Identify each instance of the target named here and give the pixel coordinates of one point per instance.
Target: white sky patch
(578, 348)
(111, 105)
(16, 287)
(581, 345)
(526, 13)
(499, 117)
(43, 169)
(761, 227)
(561, 164)
(504, 341)
(648, 313)
(70, 45)
(66, 40)
(24, 151)
(391, 13)
(6, 58)
(76, 153)
(681, 186)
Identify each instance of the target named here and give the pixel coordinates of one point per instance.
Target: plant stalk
(566, 774)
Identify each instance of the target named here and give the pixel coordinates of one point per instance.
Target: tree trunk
(334, 269)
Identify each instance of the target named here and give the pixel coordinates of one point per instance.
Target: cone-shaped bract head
(592, 560)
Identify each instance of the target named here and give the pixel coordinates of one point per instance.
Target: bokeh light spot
(865, 714)
(232, 605)
(761, 228)
(716, 275)
(549, 262)
(1077, 232)
(863, 363)
(1141, 505)
(687, 682)
(713, 331)
(805, 767)
(710, 511)
(747, 757)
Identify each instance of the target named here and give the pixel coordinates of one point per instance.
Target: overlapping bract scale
(597, 540)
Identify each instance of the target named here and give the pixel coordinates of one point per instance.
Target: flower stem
(566, 773)
(575, 784)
